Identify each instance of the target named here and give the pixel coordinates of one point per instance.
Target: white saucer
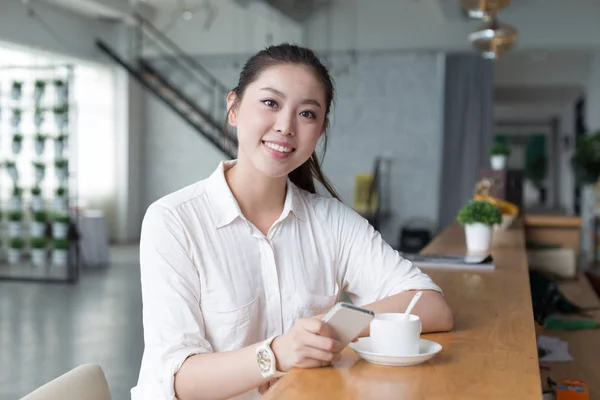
(427, 349)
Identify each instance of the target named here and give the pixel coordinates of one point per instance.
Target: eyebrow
(280, 94)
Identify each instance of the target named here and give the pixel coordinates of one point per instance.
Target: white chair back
(85, 382)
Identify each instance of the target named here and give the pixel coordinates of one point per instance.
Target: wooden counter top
(553, 221)
(490, 354)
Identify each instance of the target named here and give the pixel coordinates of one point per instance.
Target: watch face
(264, 360)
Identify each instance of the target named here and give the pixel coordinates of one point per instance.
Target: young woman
(234, 268)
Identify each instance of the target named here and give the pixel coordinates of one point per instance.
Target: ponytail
(304, 176)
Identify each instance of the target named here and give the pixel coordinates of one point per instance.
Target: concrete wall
(388, 104)
(438, 24)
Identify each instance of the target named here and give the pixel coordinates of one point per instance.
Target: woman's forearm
(218, 375)
(435, 314)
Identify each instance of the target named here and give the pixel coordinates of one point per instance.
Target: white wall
(436, 24)
(550, 68)
(61, 32)
(236, 29)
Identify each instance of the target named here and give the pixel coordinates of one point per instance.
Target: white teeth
(280, 149)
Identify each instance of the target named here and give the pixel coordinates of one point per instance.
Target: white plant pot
(38, 257)
(15, 93)
(60, 120)
(61, 203)
(61, 174)
(60, 257)
(13, 173)
(15, 203)
(14, 256)
(16, 147)
(59, 230)
(62, 94)
(15, 121)
(14, 229)
(38, 93)
(38, 120)
(478, 237)
(39, 175)
(498, 162)
(37, 203)
(37, 229)
(58, 148)
(39, 147)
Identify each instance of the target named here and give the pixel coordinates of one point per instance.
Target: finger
(320, 328)
(262, 389)
(321, 342)
(355, 340)
(322, 356)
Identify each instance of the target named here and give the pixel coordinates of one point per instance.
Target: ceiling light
(494, 38)
(483, 9)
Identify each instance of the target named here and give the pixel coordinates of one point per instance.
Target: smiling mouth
(279, 148)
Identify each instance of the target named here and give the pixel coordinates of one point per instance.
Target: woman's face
(279, 119)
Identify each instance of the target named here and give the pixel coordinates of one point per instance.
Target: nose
(284, 124)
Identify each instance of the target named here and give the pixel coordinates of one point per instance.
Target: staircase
(180, 82)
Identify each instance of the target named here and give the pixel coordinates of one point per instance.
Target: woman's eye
(270, 103)
(308, 114)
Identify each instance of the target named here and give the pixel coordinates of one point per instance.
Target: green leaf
(479, 211)
(499, 149)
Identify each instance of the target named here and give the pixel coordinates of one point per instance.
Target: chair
(85, 382)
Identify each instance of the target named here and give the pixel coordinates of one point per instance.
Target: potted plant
(62, 166)
(61, 200)
(15, 120)
(39, 142)
(60, 86)
(60, 252)
(479, 217)
(15, 199)
(37, 202)
(38, 117)
(60, 226)
(38, 251)
(40, 169)
(586, 159)
(37, 228)
(38, 91)
(11, 168)
(61, 116)
(17, 143)
(59, 145)
(16, 90)
(14, 223)
(499, 154)
(15, 250)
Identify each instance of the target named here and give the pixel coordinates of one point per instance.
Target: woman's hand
(310, 343)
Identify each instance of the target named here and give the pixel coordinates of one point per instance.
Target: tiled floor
(47, 329)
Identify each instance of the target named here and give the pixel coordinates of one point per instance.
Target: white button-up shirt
(212, 282)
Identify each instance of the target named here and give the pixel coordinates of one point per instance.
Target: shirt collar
(225, 207)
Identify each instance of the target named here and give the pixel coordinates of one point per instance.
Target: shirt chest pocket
(231, 327)
(309, 304)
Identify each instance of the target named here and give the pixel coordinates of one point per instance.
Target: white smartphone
(348, 321)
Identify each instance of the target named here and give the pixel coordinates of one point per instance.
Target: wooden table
(490, 354)
(560, 230)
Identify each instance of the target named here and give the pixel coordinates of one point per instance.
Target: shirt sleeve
(371, 269)
(172, 319)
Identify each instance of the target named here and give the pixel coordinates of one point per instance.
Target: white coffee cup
(394, 334)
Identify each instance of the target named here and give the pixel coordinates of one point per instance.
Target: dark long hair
(304, 176)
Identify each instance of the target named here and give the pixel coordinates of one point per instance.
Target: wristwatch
(266, 360)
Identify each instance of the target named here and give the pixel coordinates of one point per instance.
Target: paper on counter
(557, 350)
